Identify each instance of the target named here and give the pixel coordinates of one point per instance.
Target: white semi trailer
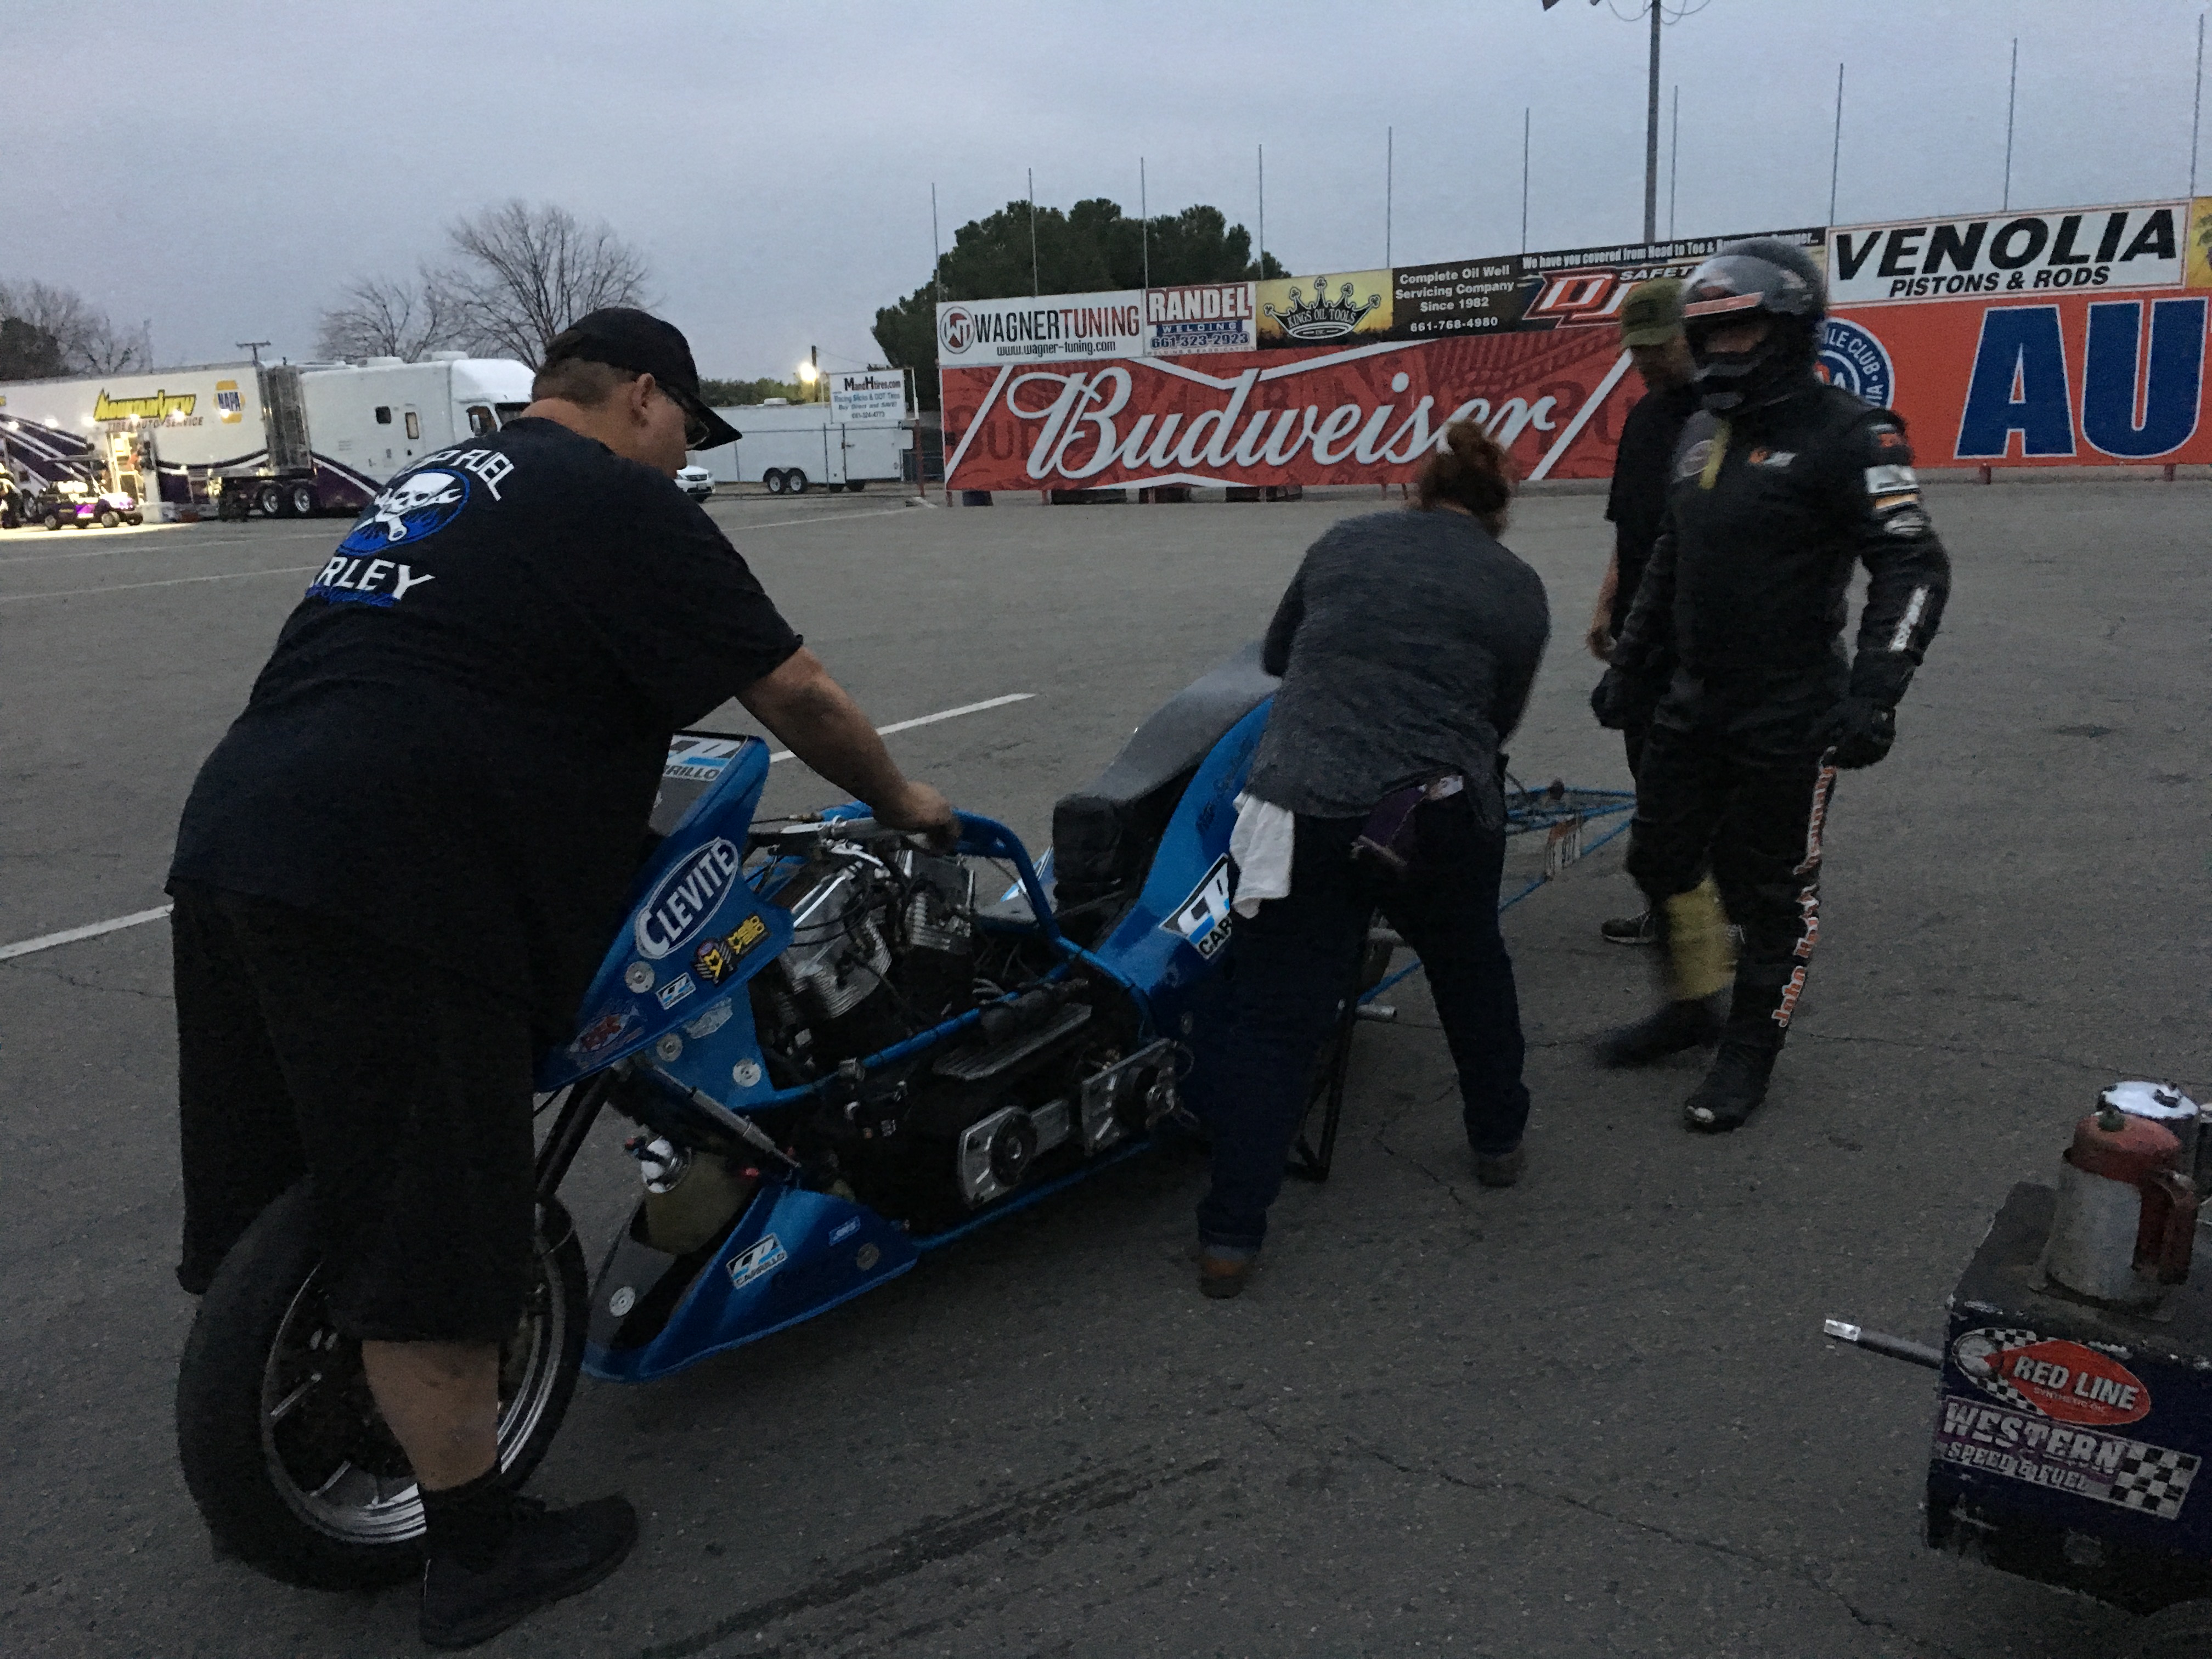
(284, 440)
(795, 447)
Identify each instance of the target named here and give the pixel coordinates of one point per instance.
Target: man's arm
(824, 727)
(1909, 573)
(1599, 637)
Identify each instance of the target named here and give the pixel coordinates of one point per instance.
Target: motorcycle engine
(881, 948)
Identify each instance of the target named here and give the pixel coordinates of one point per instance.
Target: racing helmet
(1762, 276)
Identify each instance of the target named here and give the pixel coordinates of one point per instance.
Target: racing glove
(1622, 700)
(1860, 730)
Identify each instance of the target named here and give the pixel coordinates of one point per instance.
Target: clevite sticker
(677, 910)
(757, 1260)
(1202, 919)
(2052, 1376)
(676, 990)
(2107, 1468)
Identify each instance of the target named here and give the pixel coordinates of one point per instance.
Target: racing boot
(1734, 1084)
(471, 1595)
(1698, 965)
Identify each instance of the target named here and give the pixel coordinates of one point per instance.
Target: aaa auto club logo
(1852, 358)
(2051, 1377)
(956, 329)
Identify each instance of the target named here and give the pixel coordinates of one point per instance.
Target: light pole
(1655, 10)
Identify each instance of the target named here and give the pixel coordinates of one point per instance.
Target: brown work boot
(1222, 1274)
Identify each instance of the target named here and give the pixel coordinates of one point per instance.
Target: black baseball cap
(623, 336)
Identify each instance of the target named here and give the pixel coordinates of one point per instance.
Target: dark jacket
(1738, 623)
(1407, 644)
(1635, 505)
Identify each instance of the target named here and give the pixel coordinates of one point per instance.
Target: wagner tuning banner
(1057, 328)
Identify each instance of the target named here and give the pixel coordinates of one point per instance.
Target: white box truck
(794, 447)
(284, 440)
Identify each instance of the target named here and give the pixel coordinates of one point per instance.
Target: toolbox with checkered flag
(2070, 1436)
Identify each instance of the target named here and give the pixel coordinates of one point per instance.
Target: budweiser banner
(2076, 337)
(1367, 414)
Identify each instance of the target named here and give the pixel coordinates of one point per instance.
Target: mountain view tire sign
(2072, 338)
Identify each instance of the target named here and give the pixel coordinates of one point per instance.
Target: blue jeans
(1292, 966)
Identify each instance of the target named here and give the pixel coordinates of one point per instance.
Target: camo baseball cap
(1652, 314)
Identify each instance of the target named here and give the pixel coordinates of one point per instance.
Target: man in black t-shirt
(1651, 332)
(399, 867)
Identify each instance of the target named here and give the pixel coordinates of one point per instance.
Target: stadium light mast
(1656, 11)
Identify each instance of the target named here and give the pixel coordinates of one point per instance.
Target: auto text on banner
(2074, 337)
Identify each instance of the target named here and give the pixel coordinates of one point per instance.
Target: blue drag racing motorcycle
(840, 1049)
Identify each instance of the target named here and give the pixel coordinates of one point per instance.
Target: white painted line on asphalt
(189, 545)
(94, 929)
(90, 930)
(172, 581)
(932, 719)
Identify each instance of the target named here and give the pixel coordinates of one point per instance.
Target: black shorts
(308, 1048)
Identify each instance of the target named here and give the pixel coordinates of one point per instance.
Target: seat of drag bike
(1103, 835)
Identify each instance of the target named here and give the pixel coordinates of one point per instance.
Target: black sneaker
(1735, 1085)
(1632, 930)
(551, 1553)
(1674, 1027)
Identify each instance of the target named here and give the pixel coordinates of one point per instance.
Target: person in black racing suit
(1733, 649)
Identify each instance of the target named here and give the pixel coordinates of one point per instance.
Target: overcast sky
(221, 169)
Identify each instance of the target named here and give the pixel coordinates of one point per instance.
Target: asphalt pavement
(1592, 1415)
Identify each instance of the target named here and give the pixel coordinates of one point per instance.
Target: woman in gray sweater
(1406, 645)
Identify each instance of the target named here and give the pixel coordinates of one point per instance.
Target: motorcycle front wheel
(282, 1446)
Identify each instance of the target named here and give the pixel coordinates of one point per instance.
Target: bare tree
(376, 317)
(527, 272)
(89, 342)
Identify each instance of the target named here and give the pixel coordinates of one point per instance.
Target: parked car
(696, 481)
(73, 504)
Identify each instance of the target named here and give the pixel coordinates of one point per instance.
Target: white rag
(1261, 845)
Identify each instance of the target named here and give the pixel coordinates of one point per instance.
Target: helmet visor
(1730, 282)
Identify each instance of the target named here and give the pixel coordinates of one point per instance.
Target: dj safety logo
(1852, 358)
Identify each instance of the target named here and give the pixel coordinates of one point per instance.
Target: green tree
(727, 394)
(1091, 247)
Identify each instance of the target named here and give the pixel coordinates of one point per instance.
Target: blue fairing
(1182, 919)
(793, 1254)
(689, 897)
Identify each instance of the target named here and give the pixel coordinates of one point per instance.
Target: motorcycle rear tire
(254, 1502)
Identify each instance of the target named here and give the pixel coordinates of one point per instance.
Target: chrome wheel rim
(325, 1445)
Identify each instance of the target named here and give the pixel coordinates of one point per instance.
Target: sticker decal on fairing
(757, 1260)
(678, 910)
(1202, 920)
